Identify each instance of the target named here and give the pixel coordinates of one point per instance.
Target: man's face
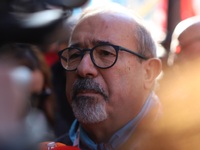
(101, 94)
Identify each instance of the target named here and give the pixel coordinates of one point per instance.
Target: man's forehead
(90, 40)
(103, 26)
(105, 21)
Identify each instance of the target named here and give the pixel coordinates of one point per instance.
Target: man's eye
(105, 52)
(74, 56)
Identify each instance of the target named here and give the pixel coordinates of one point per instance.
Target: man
(185, 41)
(111, 70)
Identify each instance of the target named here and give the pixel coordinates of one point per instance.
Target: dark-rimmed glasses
(103, 56)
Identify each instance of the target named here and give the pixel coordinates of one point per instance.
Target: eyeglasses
(103, 56)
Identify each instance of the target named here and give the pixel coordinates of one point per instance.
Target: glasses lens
(70, 58)
(104, 56)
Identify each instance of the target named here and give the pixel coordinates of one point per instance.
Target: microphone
(56, 146)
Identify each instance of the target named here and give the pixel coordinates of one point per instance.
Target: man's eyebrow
(94, 43)
(75, 45)
(99, 42)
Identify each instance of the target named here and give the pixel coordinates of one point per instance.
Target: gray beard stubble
(88, 109)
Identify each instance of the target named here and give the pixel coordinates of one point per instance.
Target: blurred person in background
(64, 114)
(14, 87)
(59, 40)
(14, 105)
(184, 49)
(35, 22)
(185, 41)
(40, 117)
(179, 129)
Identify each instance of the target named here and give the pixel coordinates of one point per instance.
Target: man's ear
(152, 68)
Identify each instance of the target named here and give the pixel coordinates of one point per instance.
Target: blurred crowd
(32, 92)
(32, 81)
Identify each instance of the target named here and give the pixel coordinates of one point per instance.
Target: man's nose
(86, 68)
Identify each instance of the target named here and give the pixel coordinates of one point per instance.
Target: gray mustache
(87, 84)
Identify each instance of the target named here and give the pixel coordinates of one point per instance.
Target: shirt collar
(77, 135)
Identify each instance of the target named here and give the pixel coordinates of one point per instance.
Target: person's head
(29, 56)
(113, 66)
(32, 58)
(185, 41)
(14, 93)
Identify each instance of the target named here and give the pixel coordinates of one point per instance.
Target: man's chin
(88, 113)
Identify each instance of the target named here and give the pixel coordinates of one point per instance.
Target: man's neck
(103, 131)
(100, 132)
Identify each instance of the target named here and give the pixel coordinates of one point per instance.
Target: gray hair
(145, 43)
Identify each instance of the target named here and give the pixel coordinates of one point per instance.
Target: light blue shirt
(122, 135)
